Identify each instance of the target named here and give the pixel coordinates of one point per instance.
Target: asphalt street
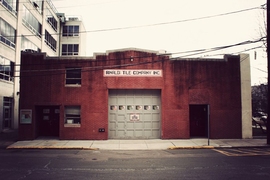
(204, 164)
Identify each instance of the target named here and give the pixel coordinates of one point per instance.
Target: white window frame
(71, 76)
(72, 116)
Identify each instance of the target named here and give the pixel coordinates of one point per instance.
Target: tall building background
(31, 26)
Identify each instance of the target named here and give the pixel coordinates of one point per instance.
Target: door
(134, 114)
(48, 120)
(7, 112)
(7, 117)
(198, 115)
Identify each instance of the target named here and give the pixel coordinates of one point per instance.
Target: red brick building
(134, 94)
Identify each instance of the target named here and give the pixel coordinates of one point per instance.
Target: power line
(192, 52)
(173, 22)
(257, 47)
(202, 51)
(126, 65)
(85, 69)
(260, 69)
(155, 24)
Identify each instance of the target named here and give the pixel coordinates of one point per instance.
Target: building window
(51, 20)
(70, 49)
(31, 22)
(71, 30)
(38, 4)
(11, 5)
(7, 33)
(6, 69)
(72, 115)
(50, 41)
(73, 76)
(28, 46)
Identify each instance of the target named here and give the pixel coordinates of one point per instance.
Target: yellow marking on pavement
(222, 152)
(244, 151)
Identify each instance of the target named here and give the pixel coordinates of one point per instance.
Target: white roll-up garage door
(134, 114)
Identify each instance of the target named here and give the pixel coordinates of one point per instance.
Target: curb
(50, 147)
(191, 147)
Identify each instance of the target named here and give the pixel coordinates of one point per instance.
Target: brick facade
(185, 82)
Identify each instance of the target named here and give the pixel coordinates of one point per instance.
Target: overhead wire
(193, 52)
(155, 24)
(122, 65)
(238, 52)
(260, 69)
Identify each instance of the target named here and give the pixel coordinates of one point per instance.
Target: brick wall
(184, 82)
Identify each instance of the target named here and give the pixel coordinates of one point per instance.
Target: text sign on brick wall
(132, 73)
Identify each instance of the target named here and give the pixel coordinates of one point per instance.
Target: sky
(175, 26)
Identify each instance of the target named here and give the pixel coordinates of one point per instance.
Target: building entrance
(48, 120)
(7, 112)
(134, 114)
(198, 115)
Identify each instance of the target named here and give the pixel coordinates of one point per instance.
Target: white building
(33, 26)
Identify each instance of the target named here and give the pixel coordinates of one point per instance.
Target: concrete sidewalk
(155, 144)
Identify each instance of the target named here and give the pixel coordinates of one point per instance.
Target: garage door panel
(112, 117)
(147, 116)
(156, 116)
(130, 125)
(148, 125)
(121, 100)
(113, 100)
(148, 133)
(155, 125)
(121, 125)
(120, 133)
(138, 101)
(121, 117)
(112, 133)
(129, 133)
(138, 125)
(155, 133)
(147, 100)
(155, 100)
(130, 100)
(112, 125)
(139, 133)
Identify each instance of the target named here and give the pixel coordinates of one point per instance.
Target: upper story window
(7, 33)
(51, 20)
(70, 49)
(50, 41)
(31, 22)
(73, 76)
(71, 30)
(38, 4)
(28, 46)
(11, 5)
(6, 69)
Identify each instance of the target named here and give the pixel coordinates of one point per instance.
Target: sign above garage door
(133, 73)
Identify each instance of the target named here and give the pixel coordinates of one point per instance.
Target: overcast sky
(173, 26)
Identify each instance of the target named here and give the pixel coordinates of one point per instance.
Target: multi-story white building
(33, 26)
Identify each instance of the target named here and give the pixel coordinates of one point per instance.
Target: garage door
(134, 114)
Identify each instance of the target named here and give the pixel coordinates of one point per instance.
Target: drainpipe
(268, 64)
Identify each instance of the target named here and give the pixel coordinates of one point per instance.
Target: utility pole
(268, 64)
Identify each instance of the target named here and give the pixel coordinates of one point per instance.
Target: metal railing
(8, 7)
(7, 41)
